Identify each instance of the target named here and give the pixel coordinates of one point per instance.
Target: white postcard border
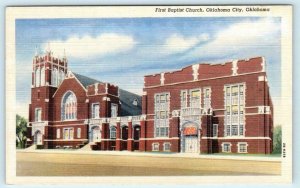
(13, 13)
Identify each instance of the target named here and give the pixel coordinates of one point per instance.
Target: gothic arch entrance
(190, 138)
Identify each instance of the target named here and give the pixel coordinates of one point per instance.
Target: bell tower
(48, 72)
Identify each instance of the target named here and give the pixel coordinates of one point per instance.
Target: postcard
(149, 94)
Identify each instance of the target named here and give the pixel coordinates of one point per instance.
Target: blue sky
(122, 51)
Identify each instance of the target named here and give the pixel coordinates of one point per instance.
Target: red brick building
(202, 108)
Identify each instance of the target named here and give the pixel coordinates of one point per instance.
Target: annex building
(202, 108)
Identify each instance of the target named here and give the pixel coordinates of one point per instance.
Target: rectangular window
(195, 101)
(113, 133)
(234, 90)
(234, 109)
(207, 98)
(155, 147)
(227, 110)
(114, 110)
(183, 99)
(95, 110)
(242, 147)
(226, 147)
(57, 133)
(227, 130)
(167, 146)
(227, 91)
(78, 132)
(68, 133)
(161, 115)
(215, 130)
(234, 130)
(241, 130)
(162, 98)
(38, 114)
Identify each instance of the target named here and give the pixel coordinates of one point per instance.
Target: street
(68, 164)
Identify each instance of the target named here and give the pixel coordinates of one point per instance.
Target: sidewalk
(154, 154)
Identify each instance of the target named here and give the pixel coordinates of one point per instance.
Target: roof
(128, 108)
(85, 81)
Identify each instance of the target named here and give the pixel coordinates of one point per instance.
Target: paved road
(68, 164)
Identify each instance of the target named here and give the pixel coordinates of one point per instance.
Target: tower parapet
(48, 70)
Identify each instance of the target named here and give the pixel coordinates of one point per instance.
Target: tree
(21, 130)
(277, 141)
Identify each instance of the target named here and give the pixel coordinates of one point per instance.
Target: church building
(202, 108)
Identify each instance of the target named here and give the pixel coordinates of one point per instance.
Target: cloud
(174, 44)
(178, 43)
(239, 37)
(87, 46)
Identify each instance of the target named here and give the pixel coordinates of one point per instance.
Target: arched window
(69, 106)
(37, 77)
(43, 76)
(113, 133)
(61, 77)
(54, 77)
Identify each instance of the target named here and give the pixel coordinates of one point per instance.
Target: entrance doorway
(190, 139)
(124, 137)
(96, 134)
(38, 138)
(136, 137)
(191, 144)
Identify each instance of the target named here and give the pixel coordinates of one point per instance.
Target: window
(195, 101)
(167, 146)
(227, 130)
(113, 133)
(234, 130)
(207, 98)
(155, 147)
(161, 121)
(68, 133)
(54, 78)
(37, 77)
(234, 110)
(78, 132)
(242, 147)
(226, 147)
(43, 76)
(183, 99)
(114, 110)
(57, 133)
(135, 102)
(95, 110)
(61, 77)
(38, 114)
(69, 106)
(215, 130)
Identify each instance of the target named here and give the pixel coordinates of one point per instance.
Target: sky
(122, 50)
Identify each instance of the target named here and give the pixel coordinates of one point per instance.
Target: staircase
(87, 147)
(32, 147)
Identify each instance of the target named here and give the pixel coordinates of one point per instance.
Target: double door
(191, 144)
